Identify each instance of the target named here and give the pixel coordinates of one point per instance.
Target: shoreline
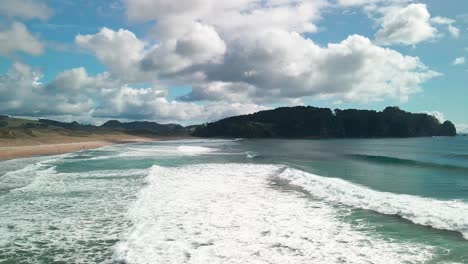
(12, 151)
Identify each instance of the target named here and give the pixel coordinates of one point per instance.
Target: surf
(228, 213)
(448, 215)
(387, 160)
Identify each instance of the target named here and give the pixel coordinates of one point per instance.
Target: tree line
(314, 122)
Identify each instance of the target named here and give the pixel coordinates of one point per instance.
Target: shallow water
(240, 201)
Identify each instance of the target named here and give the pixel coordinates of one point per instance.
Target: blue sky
(228, 66)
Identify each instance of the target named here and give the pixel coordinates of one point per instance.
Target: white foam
(200, 140)
(49, 180)
(65, 217)
(195, 149)
(445, 215)
(228, 213)
(251, 155)
(167, 151)
(23, 176)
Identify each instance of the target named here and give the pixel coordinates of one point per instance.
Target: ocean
(240, 201)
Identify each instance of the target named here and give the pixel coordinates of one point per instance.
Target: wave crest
(229, 213)
(445, 215)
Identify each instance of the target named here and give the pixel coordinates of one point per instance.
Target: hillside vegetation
(313, 122)
(19, 131)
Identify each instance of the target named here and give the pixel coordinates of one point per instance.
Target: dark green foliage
(19, 128)
(34, 125)
(302, 121)
(142, 127)
(75, 126)
(447, 129)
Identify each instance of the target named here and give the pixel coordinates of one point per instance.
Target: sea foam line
(228, 213)
(445, 215)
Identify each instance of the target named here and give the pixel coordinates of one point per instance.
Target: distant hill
(20, 128)
(313, 122)
(25, 129)
(144, 126)
(71, 126)
(283, 122)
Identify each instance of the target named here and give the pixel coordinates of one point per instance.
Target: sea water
(240, 201)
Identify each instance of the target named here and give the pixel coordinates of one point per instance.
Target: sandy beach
(11, 149)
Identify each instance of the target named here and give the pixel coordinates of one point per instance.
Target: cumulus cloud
(286, 65)
(236, 13)
(24, 9)
(370, 3)
(408, 26)
(151, 103)
(240, 56)
(75, 93)
(249, 52)
(132, 59)
(119, 50)
(402, 22)
(18, 38)
(454, 31)
(268, 66)
(22, 93)
(202, 44)
(438, 115)
(459, 61)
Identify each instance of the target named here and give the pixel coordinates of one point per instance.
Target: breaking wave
(228, 213)
(406, 162)
(445, 215)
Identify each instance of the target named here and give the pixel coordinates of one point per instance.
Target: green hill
(313, 122)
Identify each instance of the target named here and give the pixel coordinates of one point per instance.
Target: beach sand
(11, 149)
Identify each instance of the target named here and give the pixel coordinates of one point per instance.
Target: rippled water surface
(240, 201)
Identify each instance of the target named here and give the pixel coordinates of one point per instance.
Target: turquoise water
(240, 201)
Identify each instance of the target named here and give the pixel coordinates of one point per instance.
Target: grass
(13, 122)
(23, 129)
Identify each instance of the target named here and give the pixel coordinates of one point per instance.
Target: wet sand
(18, 149)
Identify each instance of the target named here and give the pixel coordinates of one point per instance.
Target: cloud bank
(238, 56)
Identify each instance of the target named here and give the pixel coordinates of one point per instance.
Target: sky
(193, 61)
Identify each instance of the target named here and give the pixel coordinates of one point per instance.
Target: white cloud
(75, 93)
(454, 31)
(119, 50)
(175, 17)
(26, 9)
(459, 61)
(151, 103)
(370, 3)
(18, 38)
(239, 56)
(408, 26)
(130, 58)
(202, 44)
(462, 128)
(266, 67)
(22, 93)
(402, 22)
(438, 115)
(267, 59)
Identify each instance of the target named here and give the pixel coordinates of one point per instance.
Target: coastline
(17, 149)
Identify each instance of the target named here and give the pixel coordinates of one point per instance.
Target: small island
(313, 122)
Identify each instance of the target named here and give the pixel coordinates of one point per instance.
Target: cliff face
(301, 121)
